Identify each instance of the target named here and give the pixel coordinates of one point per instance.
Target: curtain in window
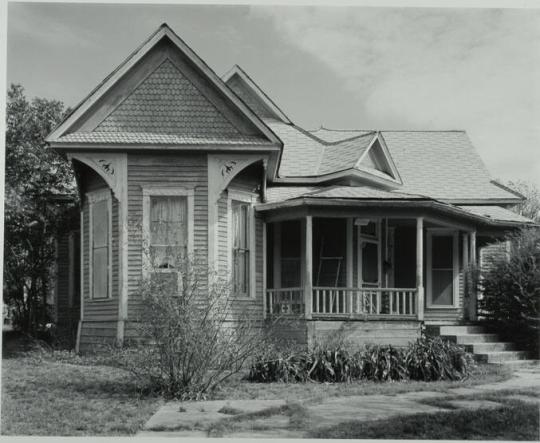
(240, 229)
(100, 249)
(168, 230)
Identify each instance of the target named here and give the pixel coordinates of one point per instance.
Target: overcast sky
(344, 67)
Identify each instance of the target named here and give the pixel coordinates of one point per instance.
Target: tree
(530, 208)
(39, 189)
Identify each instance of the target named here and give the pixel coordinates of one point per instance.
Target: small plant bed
(43, 395)
(515, 421)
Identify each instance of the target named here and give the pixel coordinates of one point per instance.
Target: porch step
(469, 339)
(460, 330)
(499, 357)
(526, 364)
(482, 348)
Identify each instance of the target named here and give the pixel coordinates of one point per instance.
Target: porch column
(308, 271)
(350, 264)
(264, 268)
(474, 296)
(420, 266)
(277, 255)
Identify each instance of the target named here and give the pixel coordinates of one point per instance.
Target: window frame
(250, 199)
(160, 191)
(373, 239)
(93, 198)
(442, 232)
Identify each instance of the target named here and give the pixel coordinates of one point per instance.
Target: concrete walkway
(274, 419)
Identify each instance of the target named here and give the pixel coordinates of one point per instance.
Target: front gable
(162, 94)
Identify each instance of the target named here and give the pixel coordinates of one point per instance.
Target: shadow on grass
(516, 421)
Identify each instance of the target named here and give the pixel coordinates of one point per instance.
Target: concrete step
(481, 348)
(499, 357)
(460, 330)
(525, 364)
(469, 339)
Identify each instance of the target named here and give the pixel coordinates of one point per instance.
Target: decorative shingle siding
(167, 102)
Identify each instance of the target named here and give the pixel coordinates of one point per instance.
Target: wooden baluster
(324, 300)
(350, 298)
(403, 303)
(378, 302)
(410, 302)
(391, 295)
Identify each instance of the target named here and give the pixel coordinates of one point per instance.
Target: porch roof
(355, 196)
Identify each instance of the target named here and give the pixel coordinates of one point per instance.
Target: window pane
(370, 229)
(100, 272)
(100, 223)
(168, 221)
(442, 287)
(442, 252)
(370, 265)
(240, 231)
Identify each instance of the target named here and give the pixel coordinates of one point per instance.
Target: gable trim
(124, 67)
(394, 171)
(237, 70)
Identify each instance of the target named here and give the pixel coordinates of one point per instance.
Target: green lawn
(515, 421)
(41, 396)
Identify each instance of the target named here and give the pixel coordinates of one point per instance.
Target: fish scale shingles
(166, 102)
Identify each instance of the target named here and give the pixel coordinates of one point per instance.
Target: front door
(442, 269)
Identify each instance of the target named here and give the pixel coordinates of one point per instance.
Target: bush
(189, 339)
(511, 290)
(426, 359)
(436, 359)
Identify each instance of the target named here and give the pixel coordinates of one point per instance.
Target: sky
(339, 67)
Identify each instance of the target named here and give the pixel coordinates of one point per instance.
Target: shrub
(427, 359)
(511, 290)
(189, 339)
(431, 359)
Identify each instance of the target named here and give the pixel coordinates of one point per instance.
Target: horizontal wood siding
(97, 334)
(252, 307)
(360, 333)
(223, 234)
(172, 170)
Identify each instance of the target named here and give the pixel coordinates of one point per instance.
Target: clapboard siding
(184, 170)
(247, 180)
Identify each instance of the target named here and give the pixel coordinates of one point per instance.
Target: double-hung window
(242, 245)
(167, 226)
(100, 239)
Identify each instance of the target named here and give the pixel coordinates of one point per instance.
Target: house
(371, 229)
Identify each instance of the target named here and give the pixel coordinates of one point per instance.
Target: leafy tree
(530, 208)
(511, 290)
(39, 189)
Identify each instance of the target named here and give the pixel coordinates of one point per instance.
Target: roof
(166, 102)
(160, 139)
(441, 164)
(496, 213)
(241, 83)
(282, 193)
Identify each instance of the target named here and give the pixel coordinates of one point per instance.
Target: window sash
(241, 248)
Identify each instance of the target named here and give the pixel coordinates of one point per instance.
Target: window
(242, 244)
(168, 232)
(100, 239)
(240, 251)
(369, 255)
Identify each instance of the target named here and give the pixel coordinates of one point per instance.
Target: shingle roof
(282, 193)
(441, 164)
(162, 139)
(496, 213)
(344, 155)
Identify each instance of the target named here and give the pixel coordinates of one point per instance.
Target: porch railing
(364, 301)
(285, 301)
(353, 302)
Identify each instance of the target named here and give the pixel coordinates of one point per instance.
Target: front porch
(368, 268)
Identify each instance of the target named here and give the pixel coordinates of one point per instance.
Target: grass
(43, 396)
(239, 389)
(515, 421)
